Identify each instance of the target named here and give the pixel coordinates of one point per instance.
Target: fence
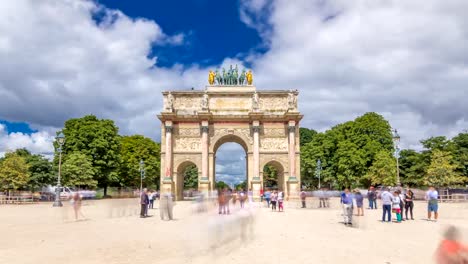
(16, 198)
(453, 198)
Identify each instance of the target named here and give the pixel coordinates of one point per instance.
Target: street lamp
(318, 171)
(142, 174)
(60, 140)
(309, 170)
(396, 144)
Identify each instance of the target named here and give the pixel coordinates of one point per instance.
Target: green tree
(98, 140)
(41, 170)
(306, 135)
(133, 149)
(78, 171)
(413, 167)
(191, 177)
(241, 186)
(14, 172)
(460, 153)
(441, 172)
(221, 185)
(383, 170)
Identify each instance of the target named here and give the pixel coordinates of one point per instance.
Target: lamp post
(318, 171)
(142, 175)
(396, 144)
(60, 140)
(309, 170)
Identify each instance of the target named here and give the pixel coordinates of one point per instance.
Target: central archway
(240, 146)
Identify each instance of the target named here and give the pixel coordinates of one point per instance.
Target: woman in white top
(396, 206)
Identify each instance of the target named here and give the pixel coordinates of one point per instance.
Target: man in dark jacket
(144, 201)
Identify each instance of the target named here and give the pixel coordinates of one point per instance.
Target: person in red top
(261, 194)
(451, 250)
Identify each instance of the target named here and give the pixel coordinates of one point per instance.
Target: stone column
(292, 150)
(255, 181)
(204, 144)
(168, 160)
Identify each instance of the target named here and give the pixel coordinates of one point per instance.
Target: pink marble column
(168, 158)
(292, 149)
(256, 150)
(204, 141)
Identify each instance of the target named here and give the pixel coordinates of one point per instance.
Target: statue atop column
(230, 77)
(292, 101)
(169, 103)
(204, 103)
(255, 102)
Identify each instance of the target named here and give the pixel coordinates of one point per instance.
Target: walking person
(376, 195)
(151, 200)
(359, 202)
(234, 199)
(321, 195)
(261, 195)
(242, 198)
(303, 198)
(221, 202)
(387, 200)
(280, 201)
(166, 205)
(250, 195)
(451, 250)
(396, 206)
(409, 204)
(144, 201)
(432, 197)
(274, 197)
(267, 195)
(76, 200)
(347, 203)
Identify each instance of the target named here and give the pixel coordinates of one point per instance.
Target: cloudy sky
(60, 59)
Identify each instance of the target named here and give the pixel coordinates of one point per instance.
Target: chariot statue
(230, 77)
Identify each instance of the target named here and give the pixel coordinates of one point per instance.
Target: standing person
(227, 198)
(267, 195)
(451, 250)
(144, 201)
(370, 197)
(303, 198)
(409, 204)
(261, 195)
(221, 201)
(321, 195)
(387, 200)
(280, 201)
(396, 206)
(359, 202)
(327, 197)
(376, 195)
(432, 204)
(234, 199)
(347, 202)
(274, 197)
(402, 203)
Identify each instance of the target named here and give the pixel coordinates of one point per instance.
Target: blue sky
(64, 59)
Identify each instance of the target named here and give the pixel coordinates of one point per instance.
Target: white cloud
(38, 142)
(406, 60)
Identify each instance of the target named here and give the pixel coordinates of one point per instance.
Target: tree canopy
(78, 171)
(14, 172)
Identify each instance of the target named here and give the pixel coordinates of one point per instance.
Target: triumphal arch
(195, 123)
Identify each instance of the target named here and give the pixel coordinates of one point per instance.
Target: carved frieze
(187, 144)
(226, 131)
(274, 132)
(273, 103)
(188, 132)
(274, 144)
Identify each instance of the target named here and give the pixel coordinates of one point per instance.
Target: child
(396, 206)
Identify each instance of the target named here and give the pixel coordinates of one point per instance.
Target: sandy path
(114, 233)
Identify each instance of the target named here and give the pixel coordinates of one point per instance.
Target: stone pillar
(167, 179)
(292, 149)
(256, 183)
(204, 181)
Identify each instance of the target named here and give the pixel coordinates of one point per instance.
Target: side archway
(273, 175)
(183, 173)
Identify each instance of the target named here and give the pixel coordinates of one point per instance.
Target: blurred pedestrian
(303, 198)
(76, 200)
(274, 198)
(166, 205)
(267, 197)
(432, 197)
(280, 201)
(451, 250)
(242, 198)
(151, 199)
(402, 203)
(321, 194)
(370, 197)
(261, 195)
(409, 204)
(359, 202)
